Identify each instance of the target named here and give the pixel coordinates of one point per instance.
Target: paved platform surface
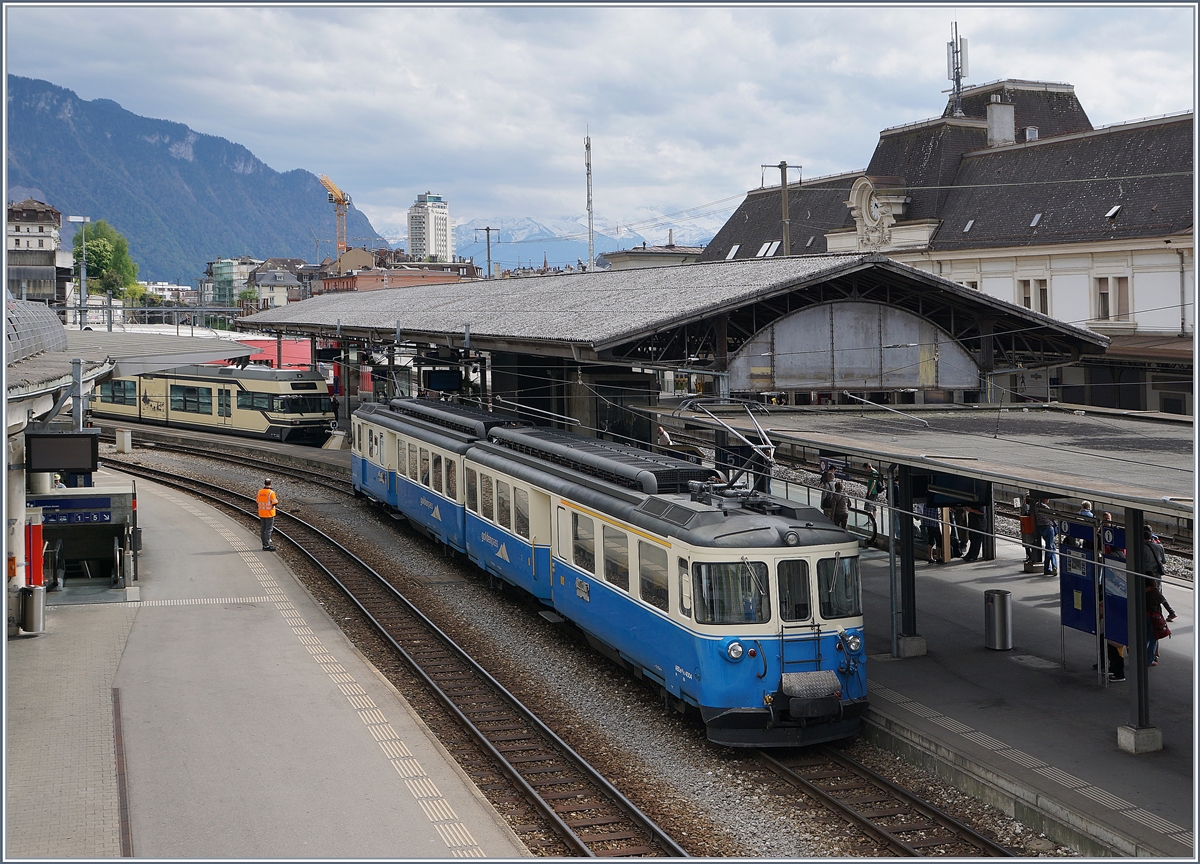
(1017, 720)
(249, 725)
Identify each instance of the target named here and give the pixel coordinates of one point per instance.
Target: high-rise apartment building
(430, 229)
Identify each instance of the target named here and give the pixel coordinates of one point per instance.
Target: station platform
(223, 715)
(1017, 730)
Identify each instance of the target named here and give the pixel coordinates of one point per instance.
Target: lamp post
(82, 268)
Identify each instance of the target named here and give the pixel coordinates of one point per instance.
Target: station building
(1022, 199)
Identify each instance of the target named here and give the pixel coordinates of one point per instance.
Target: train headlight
(854, 642)
(791, 538)
(734, 650)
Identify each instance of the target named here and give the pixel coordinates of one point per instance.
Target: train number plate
(583, 590)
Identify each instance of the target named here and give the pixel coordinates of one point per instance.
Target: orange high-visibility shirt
(267, 499)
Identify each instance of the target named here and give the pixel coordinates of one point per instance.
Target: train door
(539, 531)
(224, 407)
(798, 650)
(152, 398)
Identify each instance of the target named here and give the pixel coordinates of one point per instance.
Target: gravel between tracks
(714, 801)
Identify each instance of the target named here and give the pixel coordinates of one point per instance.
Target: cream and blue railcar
(279, 405)
(743, 605)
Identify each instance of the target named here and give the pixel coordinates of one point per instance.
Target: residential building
(38, 268)
(651, 256)
(1021, 198)
(226, 279)
(430, 229)
(273, 287)
(399, 277)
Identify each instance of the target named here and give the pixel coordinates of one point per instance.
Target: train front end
(780, 655)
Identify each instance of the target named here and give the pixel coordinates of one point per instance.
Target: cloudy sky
(489, 106)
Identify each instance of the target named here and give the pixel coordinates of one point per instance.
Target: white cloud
(489, 106)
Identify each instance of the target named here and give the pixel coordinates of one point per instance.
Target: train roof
(416, 427)
(620, 464)
(462, 418)
(250, 373)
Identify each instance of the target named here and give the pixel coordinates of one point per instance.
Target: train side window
(485, 496)
(245, 400)
(472, 491)
(685, 589)
(652, 567)
(838, 587)
(794, 602)
(424, 467)
(616, 557)
(521, 512)
(191, 400)
(451, 479)
(583, 546)
(437, 472)
(119, 392)
(412, 462)
(503, 505)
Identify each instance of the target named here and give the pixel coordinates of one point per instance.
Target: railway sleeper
(624, 853)
(609, 838)
(944, 840)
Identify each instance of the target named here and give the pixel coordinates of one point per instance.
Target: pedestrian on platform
(841, 506)
(826, 487)
(874, 487)
(931, 521)
(1156, 625)
(58, 484)
(664, 438)
(1155, 562)
(267, 502)
(1043, 520)
(975, 530)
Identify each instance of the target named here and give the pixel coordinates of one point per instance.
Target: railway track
(895, 818)
(576, 805)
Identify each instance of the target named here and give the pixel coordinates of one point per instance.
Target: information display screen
(75, 453)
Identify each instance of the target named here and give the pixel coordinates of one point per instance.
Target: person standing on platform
(874, 487)
(1043, 520)
(664, 438)
(841, 506)
(267, 502)
(975, 531)
(826, 487)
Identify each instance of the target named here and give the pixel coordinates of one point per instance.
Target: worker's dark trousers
(266, 525)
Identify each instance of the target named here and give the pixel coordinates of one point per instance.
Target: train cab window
(794, 603)
(685, 589)
(503, 505)
(583, 546)
(838, 587)
(472, 491)
(485, 496)
(356, 439)
(424, 467)
(731, 592)
(616, 557)
(451, 480)
(652, 567)
(521, 512)
(192, 400)
(437, 472)
(412, 463)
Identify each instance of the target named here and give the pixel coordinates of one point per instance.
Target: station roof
(596, 316)
(1107, 456)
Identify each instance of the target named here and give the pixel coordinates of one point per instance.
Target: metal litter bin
(33, 609)
(997, 620)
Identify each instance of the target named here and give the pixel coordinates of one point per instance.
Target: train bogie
(744, 606)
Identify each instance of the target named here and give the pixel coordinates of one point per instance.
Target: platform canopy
(668, 317)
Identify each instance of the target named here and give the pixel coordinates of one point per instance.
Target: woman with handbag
(1156, 624)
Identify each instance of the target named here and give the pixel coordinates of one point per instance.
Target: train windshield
(838, 587)
(302, 404)
(733, 592)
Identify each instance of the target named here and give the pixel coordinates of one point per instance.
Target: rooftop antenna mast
(587, 158)
(956, 65)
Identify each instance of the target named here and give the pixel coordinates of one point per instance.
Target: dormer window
(1036, 219)
(733, 251)
(967, 229)
(1112, 214)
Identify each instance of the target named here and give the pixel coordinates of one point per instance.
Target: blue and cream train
(741, 604)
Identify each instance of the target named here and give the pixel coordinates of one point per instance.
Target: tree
(248, 294)
(111, 254)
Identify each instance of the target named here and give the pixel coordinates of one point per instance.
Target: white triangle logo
(502, 553)
(437, 514)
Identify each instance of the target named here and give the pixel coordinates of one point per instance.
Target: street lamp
(82, 268)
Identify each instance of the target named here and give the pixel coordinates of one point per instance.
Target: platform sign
(1077, 590)
(1116, 610)
(74, 511)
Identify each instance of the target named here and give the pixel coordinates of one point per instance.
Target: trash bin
(997, 620)
(33, 611)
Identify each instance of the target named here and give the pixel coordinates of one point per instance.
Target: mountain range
(181, 198)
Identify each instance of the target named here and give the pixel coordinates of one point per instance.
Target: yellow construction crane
(340, 201)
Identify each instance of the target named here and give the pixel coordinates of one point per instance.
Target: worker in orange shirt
(267, 501)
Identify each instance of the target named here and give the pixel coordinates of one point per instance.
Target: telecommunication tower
(956, 65)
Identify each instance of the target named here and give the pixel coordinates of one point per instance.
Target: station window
(412, 463)
(1112, 298)
(838, 587)
(503, 505)
(485, 496)
(685, 589)
(437, 472)
(191, 400)
(451, 479)
(424, 467)
(794, 603)
(583, 534)
(652, 567)
(472, 491)
(521, 512)
(119, 392)
(616, 557)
